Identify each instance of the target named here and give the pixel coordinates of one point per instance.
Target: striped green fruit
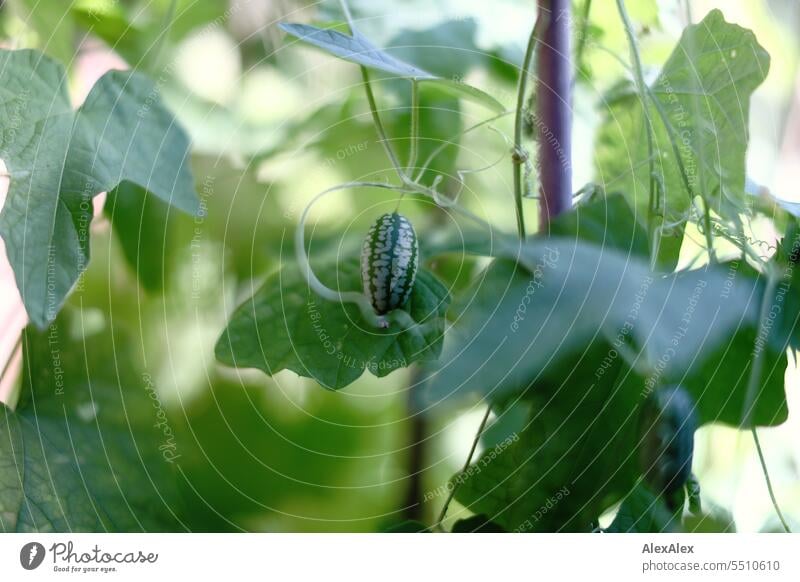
(389, 261)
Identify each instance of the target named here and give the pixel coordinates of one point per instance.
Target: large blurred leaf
(59, 159)
(696, 328)
(572, 458)
(605, 221)
(585, 333)
(141, 223)
(358, 49)
(702, 105)
(84, 450)
(285, 325)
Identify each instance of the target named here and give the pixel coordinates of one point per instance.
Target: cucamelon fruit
(389, 260)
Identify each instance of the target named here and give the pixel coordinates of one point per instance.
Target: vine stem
(583, 33)
(449, 142)
(520, 156)
(768, 480)
(10, 399)
(654, 208)
(414, 145)
(553, 119)
(169, 21)
(752, 383)
(452, 493)
(383, 137)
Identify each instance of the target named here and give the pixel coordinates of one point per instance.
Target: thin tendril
(382, 135)
(414, 146)
(347, 16)
(169, 20)
(519, 153)
(304, 264)
(654, 205)
(451, 141)
(13, 395)
(463, 173)
(752, 383)
(583, 32)
(769, 482)
(443, 512)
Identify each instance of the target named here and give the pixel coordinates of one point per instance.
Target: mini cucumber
(389, 262)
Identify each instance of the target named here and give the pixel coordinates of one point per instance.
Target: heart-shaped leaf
(285, 325)
(356, 48)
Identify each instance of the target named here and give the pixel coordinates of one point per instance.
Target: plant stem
(712, 257)
(753, 381)
(376, 120)
(587, 8)
(769, 482)
(161, 41)
(520, 156)
(476, 440)
(348, 17)
(553, 119)
(414, 145)
(10, 399)
(654, 208)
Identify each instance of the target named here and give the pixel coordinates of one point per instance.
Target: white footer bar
(400, 557)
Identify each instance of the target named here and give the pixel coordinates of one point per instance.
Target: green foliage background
(144, 425)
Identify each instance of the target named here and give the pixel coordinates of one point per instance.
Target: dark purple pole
(552, 119)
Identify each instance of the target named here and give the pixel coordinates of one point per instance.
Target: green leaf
(702, 105)
(285, 325)
(140, 222)
(607, 222)
(467, 240)
(596, 334)
(59, 159)
(572, 459)
(644, 512)
(521, 324)
(356, 48)
(84, 450)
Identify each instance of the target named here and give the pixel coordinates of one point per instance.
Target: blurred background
(272, 124)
